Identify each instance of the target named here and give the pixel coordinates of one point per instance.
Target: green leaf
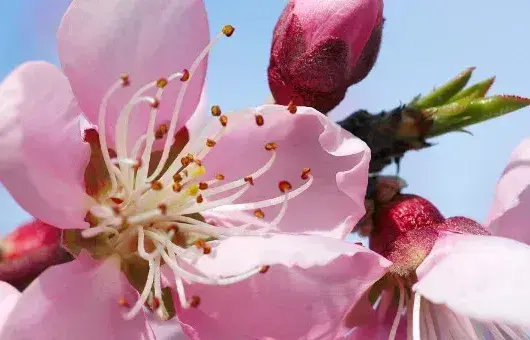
(442, 94)
(478, 90)
(464, 112)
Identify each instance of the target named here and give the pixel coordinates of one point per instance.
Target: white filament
(399, 311)
(138, 209)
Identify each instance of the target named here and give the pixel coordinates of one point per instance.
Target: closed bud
(321, 47)
(28, 251)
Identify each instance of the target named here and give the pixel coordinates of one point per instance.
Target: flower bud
(406, 228)
(321, 47)
(405, 212)
(28, 251)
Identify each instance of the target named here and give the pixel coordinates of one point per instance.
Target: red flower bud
(28, 251)
(321, 47)
(406, 228)
(406, 212)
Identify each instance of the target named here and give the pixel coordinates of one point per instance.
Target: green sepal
(442, 94)
(478, 90)
(464, 112)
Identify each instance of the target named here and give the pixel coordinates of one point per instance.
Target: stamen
(238, 183)
(201, 244)
(156, 302)
(292, 107)
(216, 111)
(145, 293)
(397, 318)
(163, 208)
(283, 209)
(161, 131)
(259, 213)
(161, 83)
(266, 203)
(259, 120)
(154, 103)
(122, 302)
(416, 335)
(219, 177)
(95, 231)
(178, 105)
(125, 81)
(157, 185)
(141, 247)
(116, 200)
(264, 269)
(203, 185)
(271, 146)
(157, 299)
(221, 202)
(210, 143)
(224, 120)
(228, 30)
(284, 186)
(194, 301)
(185, 75)
(305, 173)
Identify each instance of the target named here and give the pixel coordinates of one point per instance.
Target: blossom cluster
(159, 216)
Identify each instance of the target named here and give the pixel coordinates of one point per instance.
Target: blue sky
(424, 44)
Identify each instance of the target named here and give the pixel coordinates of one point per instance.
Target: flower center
(154, 211)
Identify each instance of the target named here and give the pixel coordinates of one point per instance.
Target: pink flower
(320, 48)
(454, 280)
(243, 218)
(28, 251)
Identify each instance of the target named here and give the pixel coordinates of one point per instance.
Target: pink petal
(165, 330)
(8, 299)
(310, 286)
(100, 40)
(338, 162)
(77, 300)
(483, 277)
(43, 155)
(510, 212)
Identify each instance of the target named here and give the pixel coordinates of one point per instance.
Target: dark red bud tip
(28, 251)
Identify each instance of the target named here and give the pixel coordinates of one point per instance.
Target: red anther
(185, 75)
(264, 269)
(259, 213)
(284, 186)
(305, 173)
(259, 120)
(271, 146)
